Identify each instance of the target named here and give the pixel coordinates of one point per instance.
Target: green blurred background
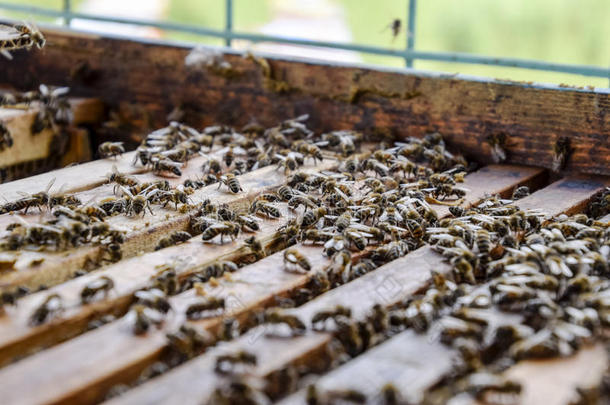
(564, 31)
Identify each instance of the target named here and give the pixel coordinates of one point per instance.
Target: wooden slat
(389, 364)
(403, 103)
(27, 146)
(565, 195)
(554, 381)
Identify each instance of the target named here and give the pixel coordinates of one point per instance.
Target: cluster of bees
(371, 209)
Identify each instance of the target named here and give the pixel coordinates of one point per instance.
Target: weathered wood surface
(336, 96)
(248, 292)
(386, 285)
(27, 146)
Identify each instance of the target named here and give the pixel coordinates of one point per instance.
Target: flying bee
(205, 308)
(110, 149)
(49, 307)
(227, 364)
(269, 210)
(6, 140)
(497, 143)
(19, 36)
(153, 298)
(144, 318)
(293, 259)
(224, 228)
(173, 239)
(121, 179)
(231, 182)
(102, 285)
(136, 204)
(32, 200)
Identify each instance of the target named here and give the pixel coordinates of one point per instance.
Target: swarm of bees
(373, 208)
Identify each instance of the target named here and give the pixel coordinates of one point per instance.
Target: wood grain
(397, 103)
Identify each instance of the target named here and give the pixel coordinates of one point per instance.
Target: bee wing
(6, 54)
(60, 91)
(50, 185)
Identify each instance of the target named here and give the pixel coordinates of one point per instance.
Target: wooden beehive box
(61, 361)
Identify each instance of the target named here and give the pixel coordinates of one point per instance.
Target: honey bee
(173, 239)
(255, 247)
(6, 140)
(357, 238)
(561, 152)
(293, 259)
(110, 149)
(205, 308)
(114, 252)
(290, 162)
(177, 196)
(227, 363)
(308, 150)
(231, 182)
(497, 143)
(276, 316)
(224, 228)
(19, 36)
(102, 285)
(32, 200)
(285, 193)
(160, 165)
(269, 210)
(488, 388)
(212, 166)
(166, 279)
(144, 318)
(297, 200)
(134, 204)
(187, 342)
(153, 298)
(521, 192)
(316, 236)
(248, 223)
(49, 307)
(121, 179)
(319, 319)
(310, 218)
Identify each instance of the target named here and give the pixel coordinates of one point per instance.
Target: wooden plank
(403, 360)
(401, 103)
(27, 146)
(565, 195)
(554, 381)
